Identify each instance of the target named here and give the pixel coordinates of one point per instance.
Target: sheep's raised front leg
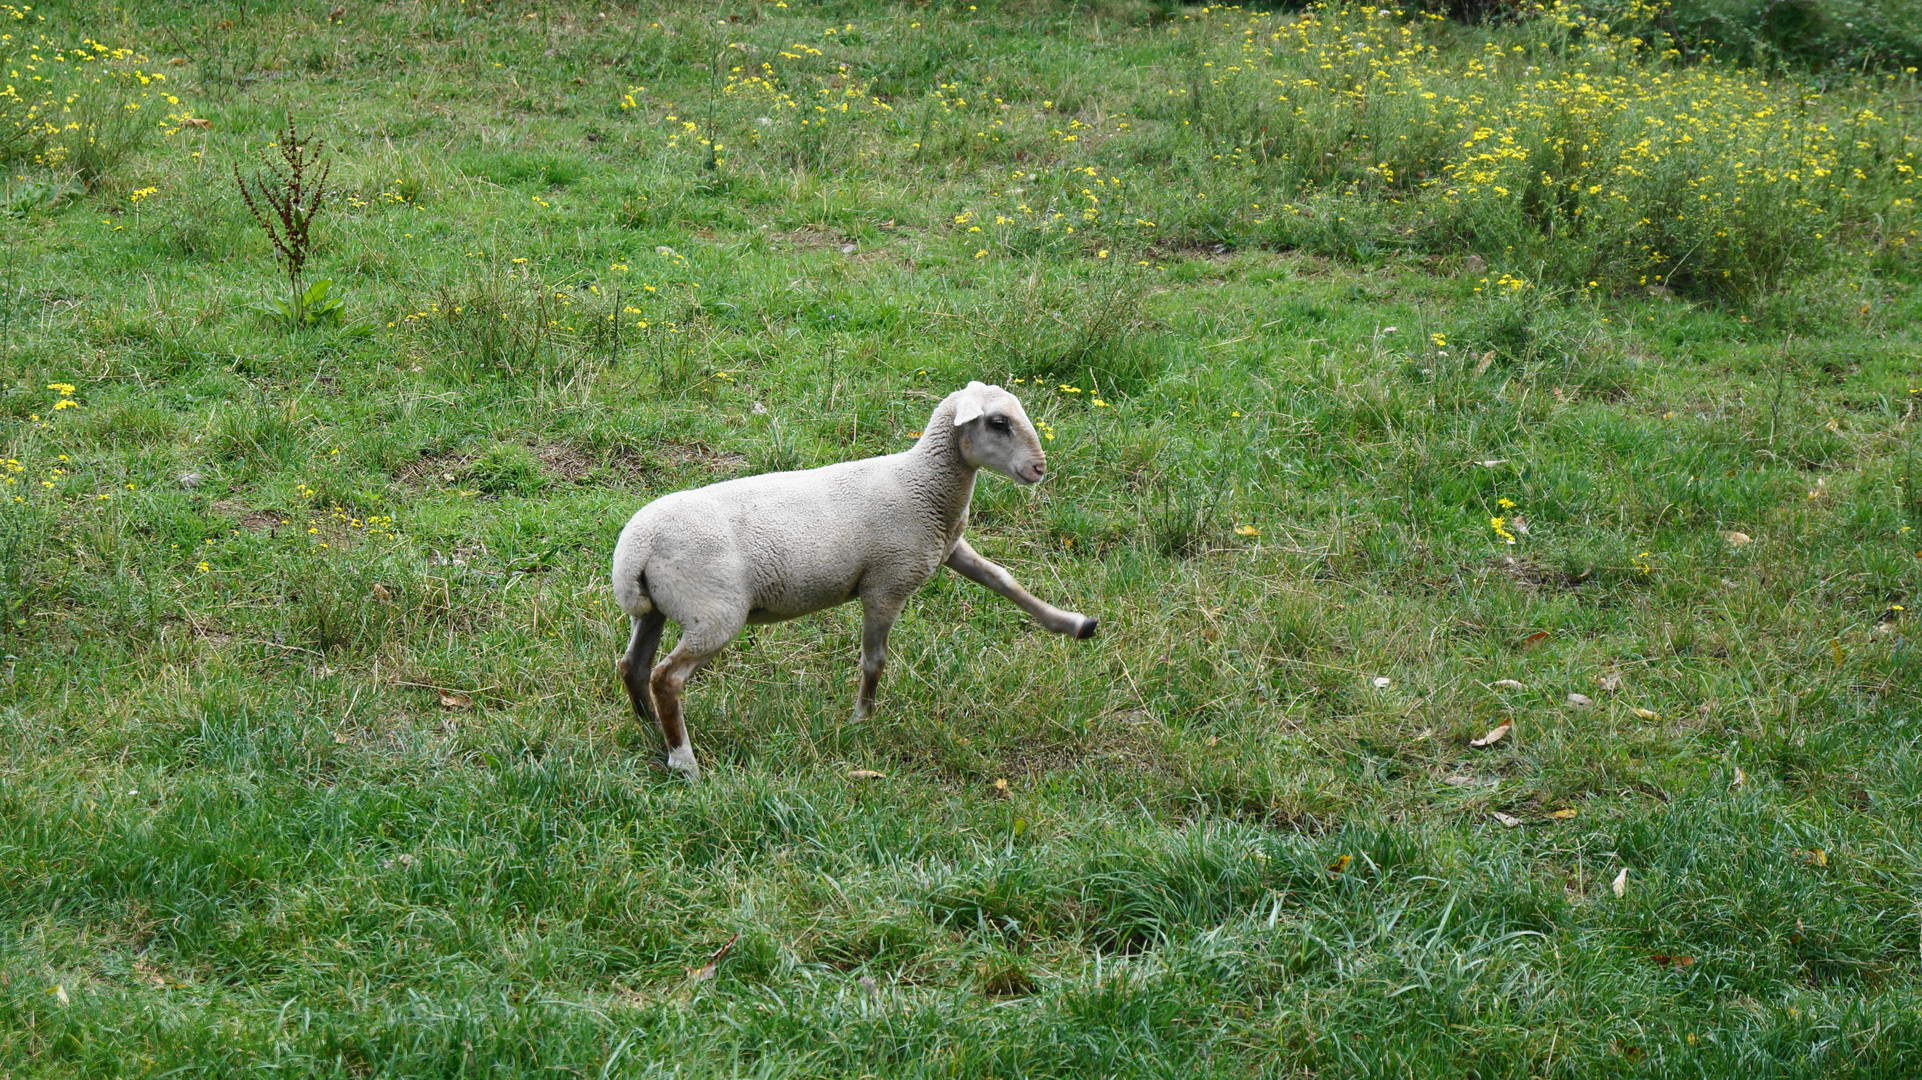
(699, 643)
(964, 561)
(877, 618)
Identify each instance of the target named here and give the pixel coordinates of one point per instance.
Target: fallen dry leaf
(1493, 462)
(1564, 815)
(1340, 864)
(1665, 960)
(1620, 884)
(866, 774)
(1580, 701)
(1001, 785)
(195, 121)
(1495, 735)
(1648, 714)
(1518, 525)
(1382, 682)
(1507, 684)
(706, 971)
(1735, 539)
(451, 700)
(1534, 639)
(60, 994)
(1740, 778)
(1609, 683)
(1817, 857)
(1508, 820)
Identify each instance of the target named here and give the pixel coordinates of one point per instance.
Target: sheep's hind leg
(877, 619)
(965, 561)
(638, 662)
(699, 643)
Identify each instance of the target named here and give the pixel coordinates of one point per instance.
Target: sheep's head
(992, 431)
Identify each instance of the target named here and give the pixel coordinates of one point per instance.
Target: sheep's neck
(949, 478)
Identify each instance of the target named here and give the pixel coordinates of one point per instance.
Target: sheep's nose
(1040, 469)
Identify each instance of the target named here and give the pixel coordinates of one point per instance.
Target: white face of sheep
(993, 432)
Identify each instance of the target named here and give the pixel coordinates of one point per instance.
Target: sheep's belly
(789, 601)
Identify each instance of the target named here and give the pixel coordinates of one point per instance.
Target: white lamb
(766, 548)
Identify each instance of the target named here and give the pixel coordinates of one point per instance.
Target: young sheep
(766, 548)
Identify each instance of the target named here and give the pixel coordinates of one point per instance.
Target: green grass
(312, 755)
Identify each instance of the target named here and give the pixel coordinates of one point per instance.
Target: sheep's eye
(998, 423)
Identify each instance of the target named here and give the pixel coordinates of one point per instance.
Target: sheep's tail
(630, 575)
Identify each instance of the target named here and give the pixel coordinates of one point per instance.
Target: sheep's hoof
(1087, 629)
(681, 760)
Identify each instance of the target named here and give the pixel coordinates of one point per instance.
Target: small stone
(1580, 701)
(848, 249)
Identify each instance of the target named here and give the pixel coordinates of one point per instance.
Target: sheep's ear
(968, 408)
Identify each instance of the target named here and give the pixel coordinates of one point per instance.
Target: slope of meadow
(1403, 381)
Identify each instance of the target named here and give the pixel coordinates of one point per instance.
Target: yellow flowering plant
(82, 107)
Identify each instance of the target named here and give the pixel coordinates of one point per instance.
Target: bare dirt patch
(249, 519)
(564, 463)
(638, 463)
(432, 469)
(814, 240)
(1528, 573)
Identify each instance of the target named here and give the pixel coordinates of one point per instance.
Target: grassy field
(1403, 382)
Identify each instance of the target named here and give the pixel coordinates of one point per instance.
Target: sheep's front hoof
(1087, 628)
(681, 760)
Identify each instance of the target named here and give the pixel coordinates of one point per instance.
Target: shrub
(1832, 34)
